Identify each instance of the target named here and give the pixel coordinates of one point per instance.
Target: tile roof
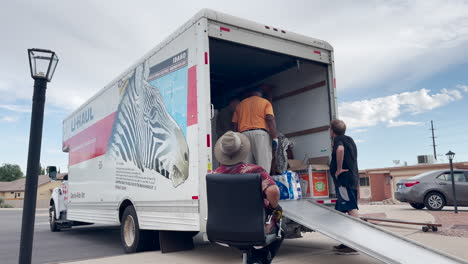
(19, 184)
(434, 166)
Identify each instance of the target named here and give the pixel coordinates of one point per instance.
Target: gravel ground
(452, 224)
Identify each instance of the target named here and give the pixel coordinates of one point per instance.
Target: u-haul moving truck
(139, 150)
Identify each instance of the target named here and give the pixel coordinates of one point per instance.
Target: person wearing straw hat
(231, 150)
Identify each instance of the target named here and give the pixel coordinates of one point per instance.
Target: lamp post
(450, 156)
(42, 64)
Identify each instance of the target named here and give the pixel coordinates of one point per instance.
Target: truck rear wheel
(133, 239)
(52, 220)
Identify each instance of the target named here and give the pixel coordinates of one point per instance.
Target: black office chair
(236, 215)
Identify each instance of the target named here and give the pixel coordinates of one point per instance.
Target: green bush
(3, 204)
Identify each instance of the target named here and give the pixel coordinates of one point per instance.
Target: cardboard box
(313, 178)
(320, 183)
(296, 165)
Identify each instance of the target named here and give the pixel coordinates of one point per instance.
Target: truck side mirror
(52, 171)
(53, 175)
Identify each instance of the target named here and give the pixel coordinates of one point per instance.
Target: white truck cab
(58, 206)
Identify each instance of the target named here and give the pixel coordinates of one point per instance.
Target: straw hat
(232, 148)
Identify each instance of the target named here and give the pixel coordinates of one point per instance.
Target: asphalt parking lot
(101, 244)
(72, 244)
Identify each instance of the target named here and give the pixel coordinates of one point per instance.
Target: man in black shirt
(345, 173)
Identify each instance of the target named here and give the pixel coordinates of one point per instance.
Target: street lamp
(42, 64)
(450, 156)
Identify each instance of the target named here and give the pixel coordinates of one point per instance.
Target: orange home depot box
(320, 184)
(314, 179)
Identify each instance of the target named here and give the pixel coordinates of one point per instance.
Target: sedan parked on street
(433, 189)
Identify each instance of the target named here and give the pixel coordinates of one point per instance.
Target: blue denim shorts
(347, 199)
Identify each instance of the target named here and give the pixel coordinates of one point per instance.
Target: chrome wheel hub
(129, 230)
(435, 201)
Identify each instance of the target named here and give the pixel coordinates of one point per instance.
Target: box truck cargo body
(145, 140)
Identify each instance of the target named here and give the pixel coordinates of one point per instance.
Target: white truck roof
(225, 19)
(266, 29)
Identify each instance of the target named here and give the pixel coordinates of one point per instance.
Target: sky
(399, 65)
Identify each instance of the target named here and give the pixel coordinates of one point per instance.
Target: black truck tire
(132, 237)
(52, 220)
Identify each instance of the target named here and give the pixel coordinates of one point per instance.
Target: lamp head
(42, 63)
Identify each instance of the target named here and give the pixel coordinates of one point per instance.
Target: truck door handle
(443, 183)
(212, 111)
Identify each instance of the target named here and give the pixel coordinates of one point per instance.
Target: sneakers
(344, 250)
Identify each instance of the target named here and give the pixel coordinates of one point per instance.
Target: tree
(10, 172)
(41, 170)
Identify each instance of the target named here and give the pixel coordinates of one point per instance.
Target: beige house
(14, 190)
(380, 184)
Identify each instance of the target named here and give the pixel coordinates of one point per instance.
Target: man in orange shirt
(254, 118)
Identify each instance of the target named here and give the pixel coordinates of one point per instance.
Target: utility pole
(433, 140)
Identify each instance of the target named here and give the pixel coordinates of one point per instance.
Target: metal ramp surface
(365, 237)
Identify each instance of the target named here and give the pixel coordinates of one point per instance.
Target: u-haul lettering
(179, 57)
(81, 118)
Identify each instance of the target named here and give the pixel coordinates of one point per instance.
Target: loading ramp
(362, 236)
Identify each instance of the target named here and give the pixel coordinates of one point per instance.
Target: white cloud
(387, 109)
(359, 130)
(16, 108)
(463, 87)
(3, 85)
(421, 101)
(376, 42)
(359, 141)
(10, 119)
(399, 123)
(394, 43)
